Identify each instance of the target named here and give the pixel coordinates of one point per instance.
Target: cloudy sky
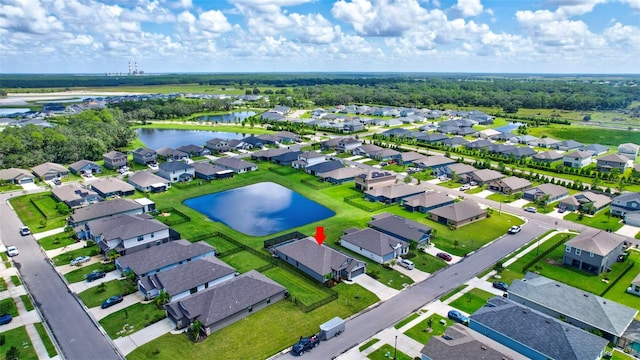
(524, 36)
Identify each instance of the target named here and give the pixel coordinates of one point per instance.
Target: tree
(195, 330)
(12, 354)
(498, 267)
(162, 298)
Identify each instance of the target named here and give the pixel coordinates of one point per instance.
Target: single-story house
(227, 302)
(410, 157)
(391, 194)
(287, 158)
(577, 159)
(555, 192)
(50, 171)
(596, 149)
(320, 262)
(324, 167)
(634, 288)
(163, 257)
(237, 165)
(387, 154)
(454, 141)
(115, 160)
(436, 163)
(629, 150)
(352, 126)
(626, 203)
(520, 152)
(170, 154)
(105, 209)
(478, 144)
(547, 142)
(499, 148)
(576, 307)
(613, 161)
(593, 251)
(16, 176)
(426, 201)
(268, 139)
(461, 170)
(510, 185)
(331, 144)
(580, 200)
(484, 176)
(534, 334)
(341, 175)
(75, 195)
(548, 156)
(431, 138)
(395, 133)
(194, 150)
(525, 139)
(488, 134)
(288, 137)
(181, 281)
(110, 187)
(144, 156)
(373, 179)
(366, 150)
(206, 171)
(176, 171)
(373, 244)
(401, 228)
(567, 145)
(147, 181)
(81, 167)
(458, 214)
(268, 154)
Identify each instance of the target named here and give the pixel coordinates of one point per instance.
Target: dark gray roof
(205, 168)
(374, 241)
(125, 226)
(234, 163)
(48, 167)
(109, 185)
(144, 151)
(456, 140)
(227, 298)
(320, 259)
(105, 208)
(604, 314)
(146, 178)
(156, 257)
(552, 190)
(435, 160)
(487, 175)
(326, 166)
(598, 242)
(520, 151)
(190, 149)
(428, 199)
(287, 156)
(459, 211)
(461, 168)
(174, 166)
(167, 151)
(500, 148)
(548, 155)
(401, 227)
(76, 166)
(478, 144)
(192, 274)
(595, 148)
(112, 155)
(544, 334)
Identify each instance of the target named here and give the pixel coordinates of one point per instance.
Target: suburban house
(50, 171)
(478, 144)
(320, 262)
(454, 141)
(268, 154)
(460, 342)
(577, 159)
(547, 142)
(613, 161)
(352, 126)
(308, 158)
(194, 150)
(181, 281)
(576, 307)
(112, 187)
(206, 171)
(227, 302)
(85, 167)
(216, 145)
(324, 167)
(553, 191)
(391, 194)
(374, 179)
(458, 214)
(634, 288)
(629, 150)
(409, 157)
(144, 156)
(237, 165)
(567, 145)
(435, 163)
(163, 257)
(373, 244)
(146, 181)
(596, 149)
(431, 138)
(287, 137)
(460, 170)
(520, 152)
(105, 209)
(268, 139)
(401, 228)
(490, 134)
(16, 176)
(176, 171)
(484, 176)
(366, 150)
(626, 204)
(534, 334)
(548, 156)
(75, 195)
(114, 160)
(499, 148)
(125, 233)
(586, 200)
(386, 155)
(286, 158)
(395, 133)
(593, 251)
(427, 201)
(250, 142)
(509, 185)
(348, 144)
(341, 175)
(170, 154)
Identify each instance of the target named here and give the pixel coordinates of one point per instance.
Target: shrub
(3, 339)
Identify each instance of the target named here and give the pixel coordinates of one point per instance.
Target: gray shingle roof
(579, 154)
(194, 273)
(234, 163)
(146, 178)
(485, 175)
(341, 173)
(320, 259)
(597, 242)
(112, 155)
(435, 160)
(156, 257)
(400, 226)
(547, 335)
(374, 241)
(48, 167)
(174, 166)
(459, 211)
(14, 174)
(585, 307)
(548, 155)
(552, 190)
(76, 166)
(207, 169)
(105, 208)
(621, 159)
(326, 166)
(428, 199)
(109, 185)
(394, 191)
(461, 168)
(125, 226)
(71, 192)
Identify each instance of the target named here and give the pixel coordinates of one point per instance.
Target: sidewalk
(55, 252)
(44, 234)
(129, 343)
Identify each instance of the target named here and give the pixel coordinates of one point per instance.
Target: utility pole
(395, 348)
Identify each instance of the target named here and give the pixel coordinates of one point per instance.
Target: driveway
(381, 290)
(628, 230)
(519, 203)
(415, 274)
(484, 193)
(129, 343)
(29, 186)
(81, 286)
(99, 313)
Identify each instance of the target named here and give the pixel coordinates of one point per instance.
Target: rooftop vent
(483, 347)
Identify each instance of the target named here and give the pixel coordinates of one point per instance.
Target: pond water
(260, 209)
(237, 116)
(512, 126)
(157, 138)
(10, 111)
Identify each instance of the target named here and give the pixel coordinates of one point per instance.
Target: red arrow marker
(320, 236)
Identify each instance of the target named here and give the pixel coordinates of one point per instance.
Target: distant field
(154, 89)
(587, 135)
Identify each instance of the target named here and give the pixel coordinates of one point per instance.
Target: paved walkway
(381, 290)
(129, 343)
(44, 234)
(55, 252)
(81, 286)
(99, 313)
(628, 230)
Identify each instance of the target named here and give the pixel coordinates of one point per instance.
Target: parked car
(465, 187)
(500, 285)
(5, 319)
(57, 182)
(456, 315)
(95, 276)
(408, 264)
(111, 301)
(443, 178)
(12, 251)
(79, 260)
(473, 183)
(562, 209)
(514, 229)
(444, 256)
(530, 209)
(24, 230)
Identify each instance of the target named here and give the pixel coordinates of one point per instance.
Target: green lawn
(420, 333)
(57, 241)
(3, 284)
(81, 273)
(65, 258)
(453, 292)
(131, 319)
(244, 261)
(368, 344)
(386, 349)
(4, 187)
(601, 220)
(585, 134)
(618, 291)
(505, 199)
(19, 338)
(472, 300)
(47, 204)
(27, 302)
(406, 320)
(94, 297)
(15, 280)
(8, 306)
(32, 217)
(301, 288)
(427, 262)
(46, 340)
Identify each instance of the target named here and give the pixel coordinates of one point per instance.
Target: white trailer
(331, 328)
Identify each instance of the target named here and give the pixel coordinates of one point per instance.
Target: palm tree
(162, 298)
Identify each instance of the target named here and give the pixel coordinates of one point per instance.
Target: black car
(501, 285)
(95, 276)
(111, 301)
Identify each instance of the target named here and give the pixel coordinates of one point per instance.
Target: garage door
(26, 181)
(357, 272)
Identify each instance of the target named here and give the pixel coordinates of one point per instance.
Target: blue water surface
(157, 138)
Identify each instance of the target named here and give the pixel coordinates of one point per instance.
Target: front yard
(81, 273)
(65, 258)
(601, 220)
(421, 333)
(19, 339)
(57, 241)
(131, 319)
(472, 300)
(96, 295)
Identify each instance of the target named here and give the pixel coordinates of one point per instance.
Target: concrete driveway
(484, 193)
(415, 274)
(99, 313)
(381, 290)
(628, 230)
(519, 203)
(127, 344)
(81, 286)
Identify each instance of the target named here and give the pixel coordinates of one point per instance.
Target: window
(250, 309)
(590, 254)
(268, 300)
(578, 251)
(152, 235)
(140, 237)
(567, 248)
(193, 290)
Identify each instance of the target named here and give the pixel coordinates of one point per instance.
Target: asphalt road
(75, 332)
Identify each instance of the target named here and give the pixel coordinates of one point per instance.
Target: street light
(395, 348)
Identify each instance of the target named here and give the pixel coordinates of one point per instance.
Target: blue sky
(515, 36)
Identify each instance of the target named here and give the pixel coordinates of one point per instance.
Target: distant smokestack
(129, 67)
(137, 72)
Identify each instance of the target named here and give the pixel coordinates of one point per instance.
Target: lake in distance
(157, 138)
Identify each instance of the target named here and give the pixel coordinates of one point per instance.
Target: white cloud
(27, 16)
(623, 36)
(379, 17)
(467, 8)
(634, 4)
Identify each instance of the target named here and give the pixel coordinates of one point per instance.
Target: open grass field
(32, 217)
(386, 349)
(94, 297)
(419, 331)
(601, 220)
(618, 291)
(244, 261)
(472, 300)
(300, 288)
(81, 273)
(131, 319)
(46, 340)
(146, 89)
(19, 338)
(56, 241)
(586, 134)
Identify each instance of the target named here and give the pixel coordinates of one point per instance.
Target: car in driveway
(92, 276)
(444, 256)
(457, 316)
(5, 319)
(24, 230)
(12, 251)
(111, 301)
(465, 187)
(407, 264)
(562, 209)
(501, 285)
(530, 209)
(79, 260)
(514, 229)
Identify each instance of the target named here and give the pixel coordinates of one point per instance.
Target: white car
(12, 251)
(514, 229)
(24, 230)
(465, 187)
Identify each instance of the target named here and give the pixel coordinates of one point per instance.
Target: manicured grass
(453, 292)
(65, 258)
(9, 187)
(56, 241)
(505, 199)
(3, 284)
(47, 204)
(368, 344)
(406, 320)
(619, 355)
(19, 338)
(8, 306)
(244, 261)
(422, 336)
(586, 135)
(301, 288)
(472, 300)
(94, 297)
(15, 280)
(427, 262)
(476, 190)
(46, 340)
(260, 335)
(618, 291)
(601, 220)
(381, 353)
(32, 217)
(131, 319)
(81, 273)
(27, 302)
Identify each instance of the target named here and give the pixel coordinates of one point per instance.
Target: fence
(614, 282)
(316, 184)
(543, 254)
(182, 217)
(373, 206)
(283, 238)
(190, 184)
(47, 213)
